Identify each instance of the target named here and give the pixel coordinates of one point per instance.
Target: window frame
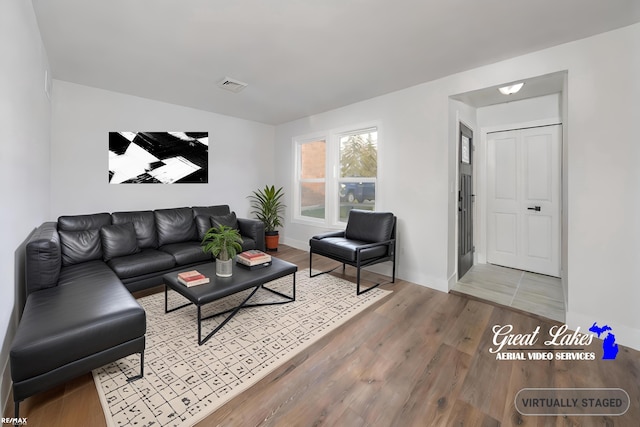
(298, 180)
(338, 135)
(332, 178)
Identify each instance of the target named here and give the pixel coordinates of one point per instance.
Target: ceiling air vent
(232, 85)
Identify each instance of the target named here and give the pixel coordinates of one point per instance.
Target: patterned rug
(184, 382)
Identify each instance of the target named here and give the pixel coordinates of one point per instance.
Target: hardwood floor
(418, 358)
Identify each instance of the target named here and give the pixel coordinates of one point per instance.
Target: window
(336, 174)
(358, 171)
(311, 179)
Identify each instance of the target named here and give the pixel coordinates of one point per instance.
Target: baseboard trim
(452, 280)
(298, 244)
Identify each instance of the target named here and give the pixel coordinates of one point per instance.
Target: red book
(189, 283)
(193, 278)
(254, 261)
(253, 253)
(188, 274)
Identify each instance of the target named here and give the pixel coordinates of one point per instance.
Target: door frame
(480, 171)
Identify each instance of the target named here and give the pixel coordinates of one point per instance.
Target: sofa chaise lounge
(80, 271)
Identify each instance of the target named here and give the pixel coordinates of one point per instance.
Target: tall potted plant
(268, 207)
(223, 243)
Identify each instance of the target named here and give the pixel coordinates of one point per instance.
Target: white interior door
(523, 199)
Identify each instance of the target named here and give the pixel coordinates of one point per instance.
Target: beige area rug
(184, 382)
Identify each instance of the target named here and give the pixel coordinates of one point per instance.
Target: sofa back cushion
(118, 240)
(205, 222)
(175, 226)
(83, 222)
(368, 226)
(80, 237)
(80, 246)
(229, 220)
(144, 224)
(217, 210)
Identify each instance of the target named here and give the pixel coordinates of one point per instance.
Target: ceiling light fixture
(510, 90)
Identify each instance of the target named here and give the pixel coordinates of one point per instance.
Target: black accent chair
(370, 238)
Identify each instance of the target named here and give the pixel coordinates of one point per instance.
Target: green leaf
(268, 207)
(222, 242)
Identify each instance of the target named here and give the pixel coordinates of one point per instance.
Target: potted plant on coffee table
(268, 207)
(223, 243)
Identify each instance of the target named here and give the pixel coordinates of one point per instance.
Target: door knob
(534, 208)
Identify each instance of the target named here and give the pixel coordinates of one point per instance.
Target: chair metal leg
(393, 274)
(16, 408)
(360, 292)
(358, 274)
(322, 272)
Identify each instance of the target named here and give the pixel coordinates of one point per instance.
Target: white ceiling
(533, 87)
(299, 57)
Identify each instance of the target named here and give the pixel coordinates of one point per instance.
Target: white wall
(522, 111)
(25, 115)
(240, 153)
(412, 174)
(602, 184)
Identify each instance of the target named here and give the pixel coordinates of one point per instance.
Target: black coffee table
(220, 287)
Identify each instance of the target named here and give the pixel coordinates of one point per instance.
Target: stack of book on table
(253, 259)
(192, 278)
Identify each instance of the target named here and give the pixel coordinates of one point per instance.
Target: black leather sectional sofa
(80, 272)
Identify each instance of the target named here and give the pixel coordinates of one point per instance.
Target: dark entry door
(465, 201)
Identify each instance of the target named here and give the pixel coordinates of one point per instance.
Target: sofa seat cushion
(88, 273)
(145, 261)
(186, 253)
(346, 248)
(63, 324)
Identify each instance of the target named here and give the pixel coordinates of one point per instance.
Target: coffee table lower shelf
(219, 288)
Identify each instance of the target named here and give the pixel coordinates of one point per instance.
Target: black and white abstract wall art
(158, 157)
